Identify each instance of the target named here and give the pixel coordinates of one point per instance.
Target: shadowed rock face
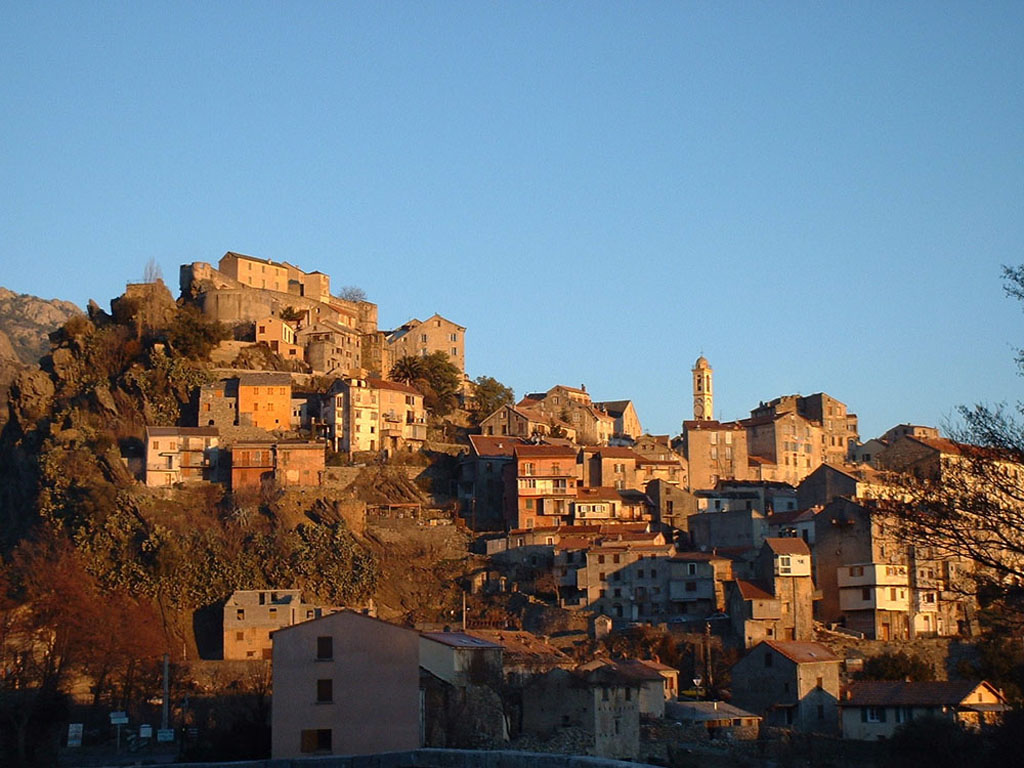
(26, 322)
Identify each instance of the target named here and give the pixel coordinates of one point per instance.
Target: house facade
(330, 672)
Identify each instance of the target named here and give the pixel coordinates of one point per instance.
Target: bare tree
(352, 293)
(152, 272)
(969, 503)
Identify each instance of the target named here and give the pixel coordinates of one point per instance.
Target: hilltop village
(613, 593)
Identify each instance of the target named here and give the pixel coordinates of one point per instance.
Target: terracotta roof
(523, 648)
(788, 546)
(489, 445)
(617, 452)
(598, 494)
(395, 386)
(761, 460)
(751, 591)
(553, 451)
(793, 515)
(899, 693)
(801, 652)
(629, 669)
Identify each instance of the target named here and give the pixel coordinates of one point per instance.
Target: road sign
(75, 734)
(145, 731)
(119, 718)
(165, 735)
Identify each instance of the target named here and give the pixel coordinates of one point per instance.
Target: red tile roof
(802, 652)
(541, 451)
(788, 546)
(395, 386)
(899, 693)
(488, 445)
(751, 591)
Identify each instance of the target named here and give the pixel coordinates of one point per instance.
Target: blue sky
(818, 196)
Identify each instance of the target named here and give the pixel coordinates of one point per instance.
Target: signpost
(75, 734)
(119, 719)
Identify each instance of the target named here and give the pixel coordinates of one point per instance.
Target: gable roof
(459, 640)
(752, 591)
(264, 380)
(491, 445)
(788, 546)
(540, 451)
(801, 652)
(396, 386)
(901, 693)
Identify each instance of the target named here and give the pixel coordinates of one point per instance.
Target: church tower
(703, 392)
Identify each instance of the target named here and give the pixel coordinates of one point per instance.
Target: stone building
(697, 583)
(627, 423)
(419, 338)
(714, 451)
(791, 684)
(778, 603)
(602, 703)
(251, 615)
(628, 581)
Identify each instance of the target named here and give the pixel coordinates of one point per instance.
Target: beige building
(279, 336)
(714, 451)
(873, 709)
(592, 425)
(525, 422)
(403, 419)
(703, 390)
(419, 338)
(181, 455)
(345, 684)
(254, 272)
(627, 422)
(252, 615)
(331, 348)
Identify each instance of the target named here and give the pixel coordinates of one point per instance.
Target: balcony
(391, 417)
(872, 574)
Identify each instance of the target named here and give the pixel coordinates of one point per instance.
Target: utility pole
(707, 656)
(165, 709)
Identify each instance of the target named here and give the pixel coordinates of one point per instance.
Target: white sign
(119, 718)
(165, 735)
(74, 734)
(145, 731)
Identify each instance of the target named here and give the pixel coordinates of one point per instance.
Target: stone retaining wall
(433, 758)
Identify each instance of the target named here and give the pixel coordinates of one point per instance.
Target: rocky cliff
(26, 322)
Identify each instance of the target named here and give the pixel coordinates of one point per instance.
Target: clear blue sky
(818, 196)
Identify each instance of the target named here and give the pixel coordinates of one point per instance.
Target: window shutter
(881, 714)
(863, 714)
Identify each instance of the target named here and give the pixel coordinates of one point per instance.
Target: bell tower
(703, 391)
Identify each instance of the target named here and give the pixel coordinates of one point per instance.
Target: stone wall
(439, 758)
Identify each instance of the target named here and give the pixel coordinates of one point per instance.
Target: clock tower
(703, 393)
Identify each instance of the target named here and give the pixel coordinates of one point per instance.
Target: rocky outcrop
(27, 322)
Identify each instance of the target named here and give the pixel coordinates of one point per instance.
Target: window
(821, 711)
(691, 569)
(324, 691)
(767, 659)
(691, 586)
(239, 636)
(873, 714)
(615, 558)
(316, 740)
(820, 683)
(865, 593)
(240, 614)
(325, 648)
